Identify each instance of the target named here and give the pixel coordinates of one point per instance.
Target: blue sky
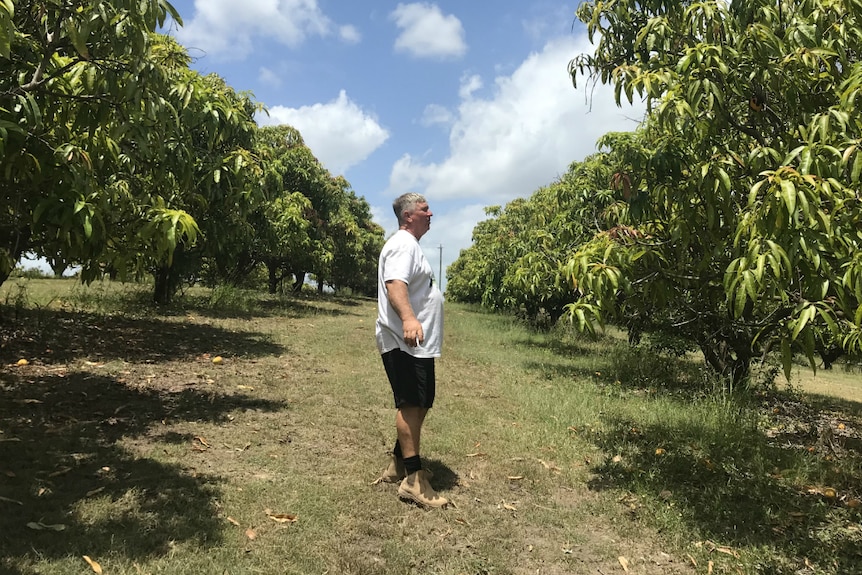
(467, 102)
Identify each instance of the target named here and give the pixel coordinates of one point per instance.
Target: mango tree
(744, 181)
(356, 243)
(79, 92)
(212, 175)
(516, 260)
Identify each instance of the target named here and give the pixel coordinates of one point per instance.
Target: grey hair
(406, 202)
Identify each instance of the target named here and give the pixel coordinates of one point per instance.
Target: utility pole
(440, 280)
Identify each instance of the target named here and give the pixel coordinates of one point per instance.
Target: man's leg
(408, 435)
(408, 424)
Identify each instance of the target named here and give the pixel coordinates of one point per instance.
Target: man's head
(413, 213)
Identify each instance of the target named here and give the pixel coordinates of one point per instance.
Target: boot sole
(390, 479)
(405, 496)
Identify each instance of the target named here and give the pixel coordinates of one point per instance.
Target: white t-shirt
(402, 259)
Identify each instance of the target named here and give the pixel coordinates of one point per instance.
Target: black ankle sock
(412, 464)
(396, 451)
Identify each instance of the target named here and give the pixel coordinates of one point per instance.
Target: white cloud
(350, 34)
(469, 84)
(226, 29)
(339, 133)
(427, 33)
(436, 114)
(529, 131)
(268, 77)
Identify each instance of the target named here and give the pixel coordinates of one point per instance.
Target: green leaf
(786, 357)
(725, 179)
(78, 37)
(830, 321)
(7, 27)
(788, 194)
(807, 315)
(857, 168)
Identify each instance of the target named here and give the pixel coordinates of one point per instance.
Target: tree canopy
(118, 157)
(737, 218)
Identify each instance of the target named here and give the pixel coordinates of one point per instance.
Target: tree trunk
(58, 266)
(298, 280)
(162, 291)
(829, 354)
(728, 361)
(12, 247)
(272, 280)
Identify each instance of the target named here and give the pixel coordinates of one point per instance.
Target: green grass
(561, 454)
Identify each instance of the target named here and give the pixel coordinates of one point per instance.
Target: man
(409, 333)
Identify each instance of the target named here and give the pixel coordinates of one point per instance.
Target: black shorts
(411, 378)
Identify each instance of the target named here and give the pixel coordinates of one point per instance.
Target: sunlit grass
(559, 452)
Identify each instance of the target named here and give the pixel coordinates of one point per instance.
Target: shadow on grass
(444, 477)
(744, 470)
(62, 464)
(728, 486)
(60, 336)
(254, 303)
(620, 366)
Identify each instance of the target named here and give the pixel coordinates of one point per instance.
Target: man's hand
(413, 334)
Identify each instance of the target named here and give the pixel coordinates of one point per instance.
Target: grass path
(122, 432)
(155, 460)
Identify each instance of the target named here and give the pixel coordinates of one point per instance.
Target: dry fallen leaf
(245, 387)
(93, 565)
(234, 521)
(624, 562)
(39, 526)
(250, 534)
(282, 517)
(727, 551)
(659, 451)
(203, 441)
(709, 568)
(477, 454)
(515, 477)
(60, 471)
(693, 561)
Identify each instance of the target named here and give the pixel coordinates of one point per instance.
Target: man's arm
(400, 300)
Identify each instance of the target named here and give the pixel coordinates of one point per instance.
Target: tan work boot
(416, 488)
(395, 472)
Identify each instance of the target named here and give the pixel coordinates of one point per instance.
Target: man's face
(419, 220)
